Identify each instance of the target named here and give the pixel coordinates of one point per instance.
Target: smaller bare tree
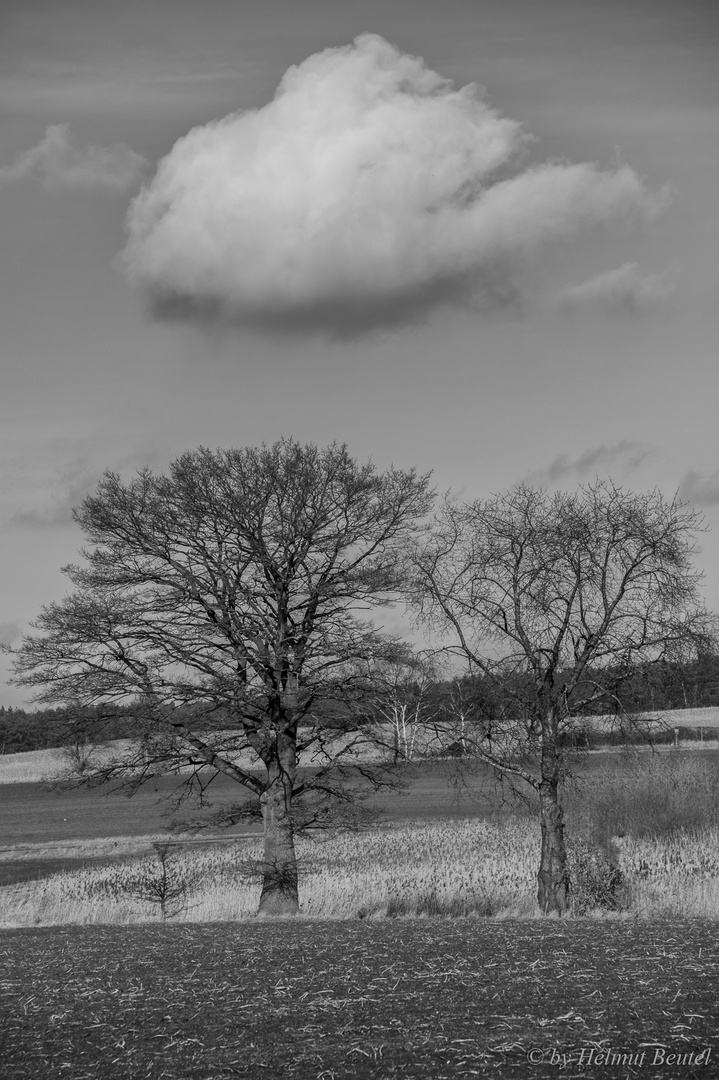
(162, 880)
(79, 753)
(553, 600)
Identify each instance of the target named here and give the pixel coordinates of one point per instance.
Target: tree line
(653, 688)
(227, 607)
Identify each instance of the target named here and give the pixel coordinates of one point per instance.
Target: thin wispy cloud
(9, 632)
(66, 489)
(54, 490)
(56, 163)
(626, 455)
(699, 489)
(191, 77)
(367, 192)
(623, 290)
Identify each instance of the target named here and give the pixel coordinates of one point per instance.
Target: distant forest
(654, 688)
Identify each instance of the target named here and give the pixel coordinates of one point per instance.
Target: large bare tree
(553, 599)
(228, 602)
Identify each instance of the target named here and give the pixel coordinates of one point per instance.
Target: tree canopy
(555, 599)
(228, 602)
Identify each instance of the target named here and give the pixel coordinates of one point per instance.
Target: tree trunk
(279, 882)
(553, 878)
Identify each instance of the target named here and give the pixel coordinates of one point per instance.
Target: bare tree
(553, 599)
(164, 880)
(228, 601)
(404, 680)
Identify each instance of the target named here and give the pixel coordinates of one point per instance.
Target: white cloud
(368, 190)
(56, 163)
(620, 290)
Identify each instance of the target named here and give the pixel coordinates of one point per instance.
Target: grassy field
(707, 718)
(36, 766)
(456, 868)
(373, 980)
(33, 813)
(616, 804)
(439, 867)
(414, 999)
(30, 812)
(32, 766)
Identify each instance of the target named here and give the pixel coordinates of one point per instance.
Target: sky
(478, 237)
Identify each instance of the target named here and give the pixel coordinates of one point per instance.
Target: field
(621, 810)
(374, 979)
(460, 868)
(35, 766)
(706, 718)
(410, 998)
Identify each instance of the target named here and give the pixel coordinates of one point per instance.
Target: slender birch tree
(403, 701)
(228, 602)
(553, 599)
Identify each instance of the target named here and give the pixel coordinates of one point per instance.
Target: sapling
(163, 881)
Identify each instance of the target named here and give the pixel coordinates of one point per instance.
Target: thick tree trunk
(553, 878)
(279, 883)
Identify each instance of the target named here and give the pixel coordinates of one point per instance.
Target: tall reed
(467, 867)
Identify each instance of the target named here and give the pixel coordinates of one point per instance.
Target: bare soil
(434, 999)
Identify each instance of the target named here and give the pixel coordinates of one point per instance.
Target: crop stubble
(398, 998)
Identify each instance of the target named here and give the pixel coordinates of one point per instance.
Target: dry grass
(33, 766)
(41, 766)
(657, 816)
(437, 868)
(646, 795)
(451, 867)
(706, 717)
(674, 876)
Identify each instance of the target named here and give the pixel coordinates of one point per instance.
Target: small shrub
(595, 879)
(162, 880)
(431, 904)
(397, 906)
(80, 755)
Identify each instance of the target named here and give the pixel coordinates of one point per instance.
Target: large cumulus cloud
(367, 190)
